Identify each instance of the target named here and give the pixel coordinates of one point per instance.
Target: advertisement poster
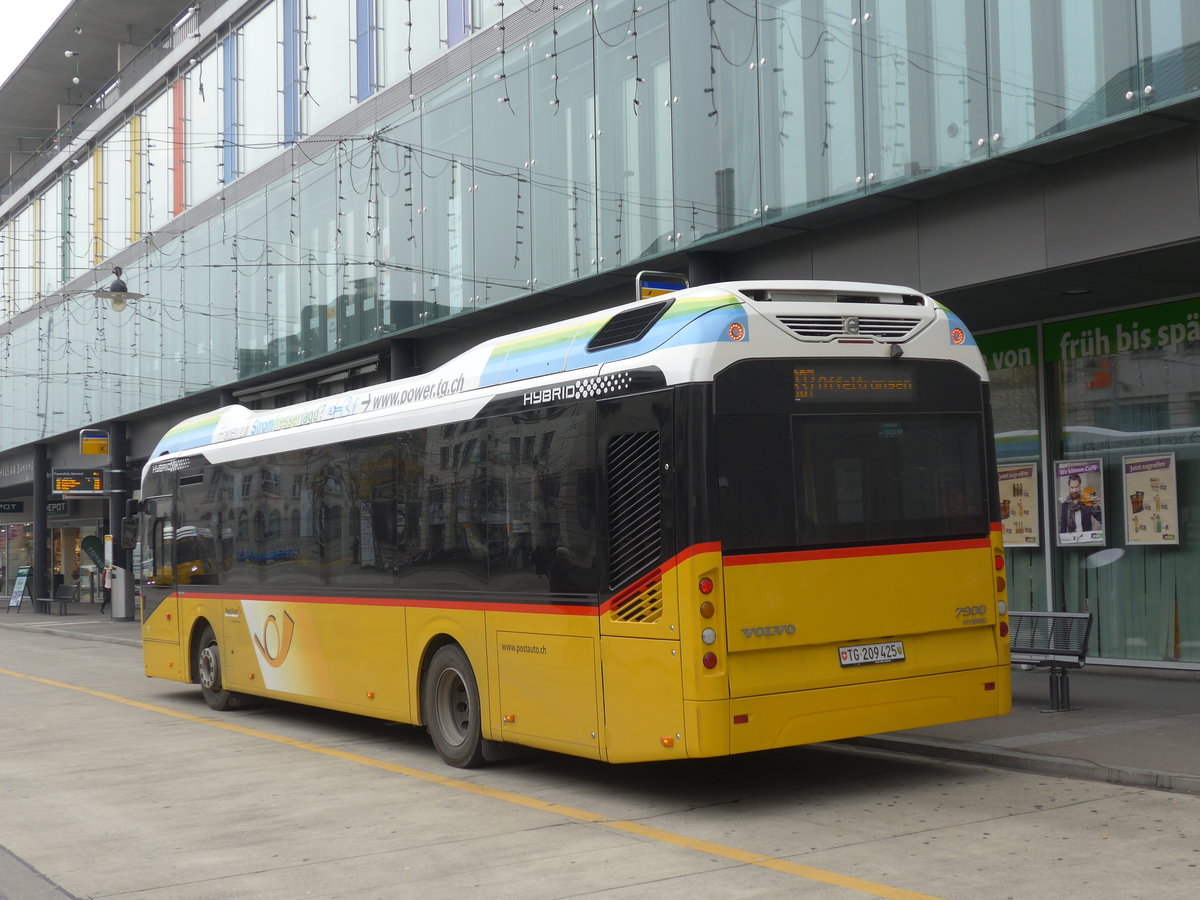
(1079, 502)
(1152, 507)
(1019, 505)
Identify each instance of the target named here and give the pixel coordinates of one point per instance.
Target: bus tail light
(706, 585)
(707, 609)
(1001, 584)
(999, 562)
(1003, 629)
(709, 660)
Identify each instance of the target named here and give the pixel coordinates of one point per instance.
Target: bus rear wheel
(451, 703)
(208, 670)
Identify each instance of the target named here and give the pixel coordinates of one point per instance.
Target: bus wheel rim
(453, 705)
(208, 666)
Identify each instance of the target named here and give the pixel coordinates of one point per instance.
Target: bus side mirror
(129, 531)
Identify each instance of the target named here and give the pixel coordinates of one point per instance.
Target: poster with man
(1080, 511)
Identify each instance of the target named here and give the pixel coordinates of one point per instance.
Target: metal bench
(63, 594)
(1057, 641)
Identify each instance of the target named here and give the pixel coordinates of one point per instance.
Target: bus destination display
(850, 383)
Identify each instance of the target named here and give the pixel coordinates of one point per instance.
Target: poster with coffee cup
(1019, 505)
(1151, 500)
(1079, 502)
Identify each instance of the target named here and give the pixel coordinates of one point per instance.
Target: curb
(1059, 766)
(78, 635)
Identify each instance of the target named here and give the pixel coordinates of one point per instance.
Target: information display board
(77, 481)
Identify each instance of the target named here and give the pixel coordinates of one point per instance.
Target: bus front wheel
(451, 702)
(208, 670)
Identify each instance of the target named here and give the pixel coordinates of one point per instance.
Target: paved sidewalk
(1137, 727)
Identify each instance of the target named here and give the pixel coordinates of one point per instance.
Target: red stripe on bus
(753, 559)
(475, 605)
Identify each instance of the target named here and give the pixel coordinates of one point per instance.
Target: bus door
(160, 605)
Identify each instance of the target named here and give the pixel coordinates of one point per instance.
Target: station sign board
(93, 442)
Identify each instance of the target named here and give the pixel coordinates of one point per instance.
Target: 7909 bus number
(869, 654)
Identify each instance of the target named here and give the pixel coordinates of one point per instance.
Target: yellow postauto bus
(734, 517)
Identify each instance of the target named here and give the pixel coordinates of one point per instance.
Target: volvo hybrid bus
(729, 518)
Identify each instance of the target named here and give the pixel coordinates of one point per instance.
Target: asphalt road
(113, 785)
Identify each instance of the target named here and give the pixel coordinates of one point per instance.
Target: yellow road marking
(731, 853)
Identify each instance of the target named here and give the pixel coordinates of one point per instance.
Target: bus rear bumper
(747, 724)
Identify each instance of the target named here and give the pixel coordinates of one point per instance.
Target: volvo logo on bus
(768, 630)
(850, 323)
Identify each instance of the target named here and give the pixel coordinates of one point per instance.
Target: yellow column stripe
(135, 179)
(731, 853)
(97, 206)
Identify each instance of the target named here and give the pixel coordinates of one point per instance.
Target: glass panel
(359, 306)
(260, 114)
(325, 63)
(1058, 67)
(401, 278)
(1170, 50)
(204, 143)
(444, 161)
(156, 178)
(633, 131)
(812, 102)
(562, 116)
(51, 228)
(116, 192)
(317, 191)
(284, 303)
(218, 317)
(252, 313)
(188, 316)
(407, 41)
(81, 218)
(1129, 384)
(715, 119)
(926, 89)
(21, 239)
(500, 189)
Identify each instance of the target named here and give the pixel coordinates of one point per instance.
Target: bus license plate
(869, 654)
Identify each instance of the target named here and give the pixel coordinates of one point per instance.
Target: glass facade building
(305, 177)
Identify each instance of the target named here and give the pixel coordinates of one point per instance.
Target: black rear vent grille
(634, 506)
(627, 327)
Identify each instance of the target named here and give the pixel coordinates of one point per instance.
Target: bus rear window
(804, 481)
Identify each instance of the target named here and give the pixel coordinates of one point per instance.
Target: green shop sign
(1164, 327)
(1008, 349)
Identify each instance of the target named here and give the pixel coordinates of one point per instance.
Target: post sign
(93, 442)
(77, 481)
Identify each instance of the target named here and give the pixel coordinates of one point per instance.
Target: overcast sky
(24, 23)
